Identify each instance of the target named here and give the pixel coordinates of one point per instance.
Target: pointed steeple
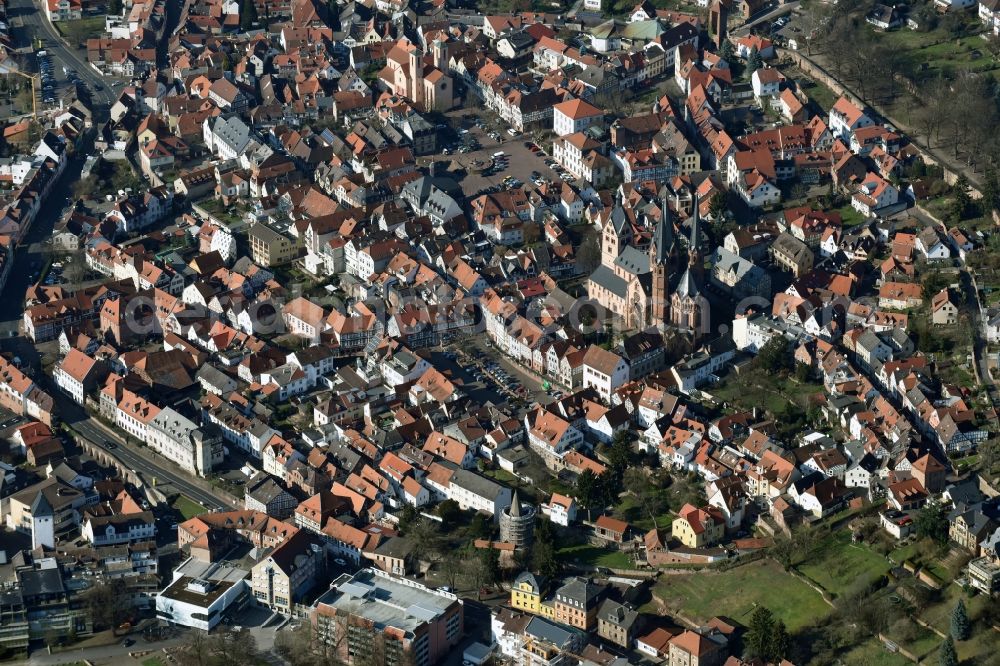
(618, 217)
(663, 235)
(690, 283)
(515, 506)
(41, 507)
(694, 241)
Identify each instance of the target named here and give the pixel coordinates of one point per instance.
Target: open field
(188, 508)
(838, 565)
(82, 29)
(736, 592)
(759, 389)
(938, 52)
(595, 556)
(873, 652)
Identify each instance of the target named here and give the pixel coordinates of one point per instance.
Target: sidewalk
(160, 460)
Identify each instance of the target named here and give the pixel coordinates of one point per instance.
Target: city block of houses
(294, 293)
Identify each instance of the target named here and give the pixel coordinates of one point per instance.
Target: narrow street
(969, 287)
(30, 255)
(156, 472)
(116, 653)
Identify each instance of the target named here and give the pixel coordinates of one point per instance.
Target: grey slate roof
(541, 629)
(580, 590)
(233, 132)
(633, 260)
(476, 484)
(606, 278)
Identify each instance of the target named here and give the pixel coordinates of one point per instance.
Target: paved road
(37, 25)
(757, 20)
(154, 470)
(30, 255)
(109, 654)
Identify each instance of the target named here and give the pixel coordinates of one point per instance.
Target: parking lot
(47, 77)
(476, 144)
(480, 358)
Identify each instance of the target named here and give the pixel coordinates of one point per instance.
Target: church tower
(662, 261)
(43, 524)
(416, 79)
(617, 233)
(440, 52)
(686, 302)
(695, 260)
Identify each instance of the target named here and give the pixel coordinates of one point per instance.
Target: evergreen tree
(767, 638)
(726, 51)
(960, 622)
(588, 491)
(991, 192)
(932, 522)
(759, 636)
(781, 642)
(754, 61)
(248, 15)
(115, 7)
(947, 655)
(718, 205)
(489, 561)
(960, 205)
(543, 550)
(773, 356)
(620, 454)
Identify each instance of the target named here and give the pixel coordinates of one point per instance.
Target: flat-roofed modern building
(201, 593)
(373, 617)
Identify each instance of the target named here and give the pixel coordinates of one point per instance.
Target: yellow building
(526, 595)
(698, 528)
(269, 247)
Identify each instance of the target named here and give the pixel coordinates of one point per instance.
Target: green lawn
(81, 30)
(848, 216)
(968, 462)
(839, 565)
(638, 517)
(759, 389)
(188, 508)
(818, 92)
(152, 661)
(872, 651)
(982, 644)
(938, 52)
(938, 613)
(736, 592)
(595, 556)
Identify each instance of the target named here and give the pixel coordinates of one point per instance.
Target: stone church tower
(686, 303)
(662, 263)
(617, 234)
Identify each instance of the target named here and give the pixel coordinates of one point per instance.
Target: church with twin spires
(656, 286)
